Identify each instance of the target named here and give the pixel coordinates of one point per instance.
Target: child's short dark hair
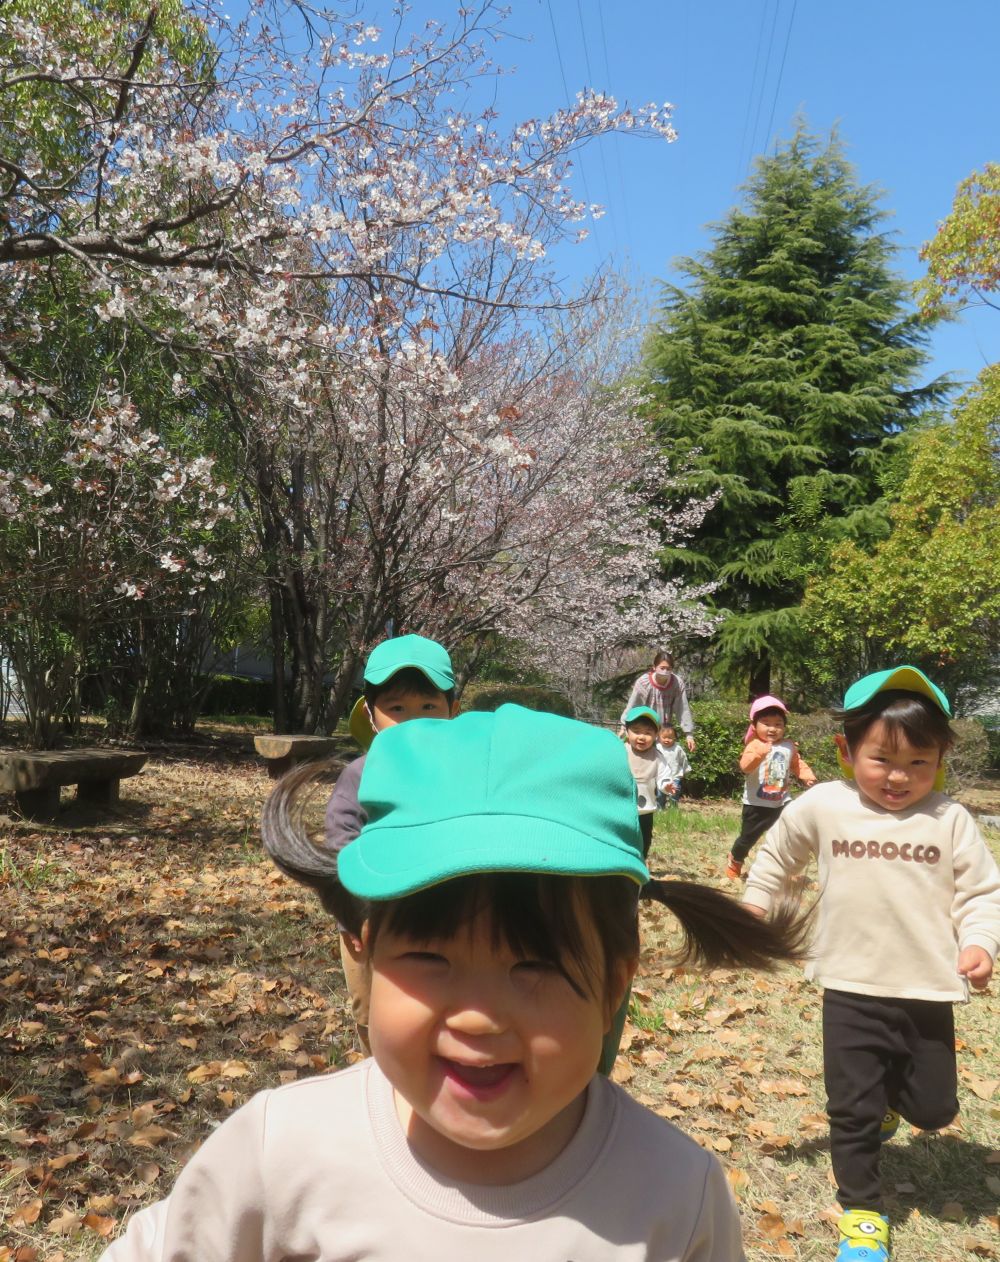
(409, 679)
(772, 709)
(643, 718)
(668, 727)
(907, 715)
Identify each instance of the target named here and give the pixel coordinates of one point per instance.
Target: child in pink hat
(769, 762)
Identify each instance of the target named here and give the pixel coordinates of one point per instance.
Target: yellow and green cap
(392, 656)
(905, 678)
(360, 725)
(425, 655)
(515, 790)
(642, 712)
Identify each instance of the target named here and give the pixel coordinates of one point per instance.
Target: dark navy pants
(881, 1054)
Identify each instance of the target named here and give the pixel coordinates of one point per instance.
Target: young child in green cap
(501, 928)
(908, 916)
(642, 726)
(407, 677)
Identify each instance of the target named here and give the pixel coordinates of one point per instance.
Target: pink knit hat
(762, 703)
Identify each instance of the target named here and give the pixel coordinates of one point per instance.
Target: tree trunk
(760, 676)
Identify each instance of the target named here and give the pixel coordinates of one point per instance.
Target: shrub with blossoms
(96, 513)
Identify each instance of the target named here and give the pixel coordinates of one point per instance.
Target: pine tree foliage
(785, 369)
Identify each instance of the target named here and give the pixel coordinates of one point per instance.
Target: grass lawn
(155, 972)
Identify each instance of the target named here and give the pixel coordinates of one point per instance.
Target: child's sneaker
(864, 1236)
(734, 868)
(890, 1125)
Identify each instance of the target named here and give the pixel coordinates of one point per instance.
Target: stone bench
(34, 777)
(283, 752)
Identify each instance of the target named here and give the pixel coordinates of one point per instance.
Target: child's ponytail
(287, 840)
(720, 932)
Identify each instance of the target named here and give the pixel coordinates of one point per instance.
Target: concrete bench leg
(39, 803)
(98, 792)
(277, 767)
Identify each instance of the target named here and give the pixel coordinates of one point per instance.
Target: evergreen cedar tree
(787, 365)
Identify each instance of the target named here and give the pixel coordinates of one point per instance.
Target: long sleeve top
(646, 769)
(322, 1169)
(901, 892)
(670, 701)
(674, 764)
(769, 769)
(344, 815)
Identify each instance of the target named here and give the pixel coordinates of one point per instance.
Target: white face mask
(661, 676)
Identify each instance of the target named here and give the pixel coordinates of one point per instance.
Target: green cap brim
(905, 678)
(392, 863)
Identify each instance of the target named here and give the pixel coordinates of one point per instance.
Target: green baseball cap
(427, 656)
(385, 659)
(515, 790)
(906, 678)
(642, 712)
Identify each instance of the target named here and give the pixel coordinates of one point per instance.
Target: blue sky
(907, 83)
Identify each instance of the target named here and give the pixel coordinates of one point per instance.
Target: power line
(753, 84)
(600, 147)
(781, 71)
(569, 102)
(617, 138)
(555, 40)
(763, 81)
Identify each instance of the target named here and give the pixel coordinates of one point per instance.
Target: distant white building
(10, 692)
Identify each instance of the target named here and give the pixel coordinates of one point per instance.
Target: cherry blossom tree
(506, 494)
(97, 513)
(323, 249)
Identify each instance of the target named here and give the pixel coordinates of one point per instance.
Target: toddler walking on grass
(769, 762)
(642, 727)
(674, 766)
(499, 870)
(908, 917)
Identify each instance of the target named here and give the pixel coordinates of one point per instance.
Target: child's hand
(975, 964)
(808, 784)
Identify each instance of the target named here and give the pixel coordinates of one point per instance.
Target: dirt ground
(155, 971)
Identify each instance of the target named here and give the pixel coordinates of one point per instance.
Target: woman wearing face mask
(664, 692)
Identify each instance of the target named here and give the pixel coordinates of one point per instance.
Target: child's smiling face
(890, 771)
(489, 1053)
(641, 735)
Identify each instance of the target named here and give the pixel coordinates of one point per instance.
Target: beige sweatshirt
(646, 768)
(322, 1170)
(901, 892)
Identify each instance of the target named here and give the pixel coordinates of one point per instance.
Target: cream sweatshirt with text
(901, 892)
